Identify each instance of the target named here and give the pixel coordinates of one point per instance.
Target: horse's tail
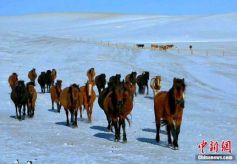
(163, 123)
(128, 120)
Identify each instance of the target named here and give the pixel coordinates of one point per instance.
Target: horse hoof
(116, 140)
(125, 141)
(176, 148)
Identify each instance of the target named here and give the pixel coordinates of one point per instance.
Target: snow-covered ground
(72, 43)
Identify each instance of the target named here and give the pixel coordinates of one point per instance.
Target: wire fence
(175, 49)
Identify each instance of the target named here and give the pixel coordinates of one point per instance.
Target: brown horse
(91, 74)
(89, 97)
(53, 76)
(169, 106)
(117, 104)
(32, 96)
(32, 75)
(12, 80)
(55, 94)
(132, 78)
(155, 84)
(69, 100)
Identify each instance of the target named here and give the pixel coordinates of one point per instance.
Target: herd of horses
(155, 46)
(115, 99)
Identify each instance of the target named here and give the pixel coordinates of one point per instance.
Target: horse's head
(179, 89)
(20, 87)
(133, 77)
(118, 95)
(59, 84)
(103, 76)
(42, 73)
(89, 87)
(157, 81)
(74, 94)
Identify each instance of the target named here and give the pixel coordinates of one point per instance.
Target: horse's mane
(171, 101)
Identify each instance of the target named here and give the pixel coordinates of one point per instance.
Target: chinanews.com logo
(214, 150)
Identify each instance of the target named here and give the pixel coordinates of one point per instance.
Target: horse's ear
(174, 80)
(70, 89)
(183, 79)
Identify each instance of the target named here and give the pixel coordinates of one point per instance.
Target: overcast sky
(164, 7)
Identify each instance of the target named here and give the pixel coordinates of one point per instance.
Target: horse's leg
(115, 123)
(173, 132)
(24, 109)
(72, 115)
(66, 110)
(58, 107)
(147, 89)
(75, 121)
(158, 130)
(19, 108)
(52, 105)
(168, 134)
(91, 111)
(16, 111)
(124, 131)
(80, 108)
(109, 127)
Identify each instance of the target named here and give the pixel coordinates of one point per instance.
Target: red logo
(214, 146)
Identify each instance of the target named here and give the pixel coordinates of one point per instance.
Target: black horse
(48, 80)
(142, 82)
(100, 82)
(42, 81)
(113, 81)
(19, 97)
(140, 45)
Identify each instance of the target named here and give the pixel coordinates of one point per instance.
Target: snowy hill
(70, 43)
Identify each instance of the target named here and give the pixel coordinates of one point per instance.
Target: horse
(55, 91)
(142, 82)
(155, 84)
(89, 97)
(42, 81)
(91, 74)
(69, 100)
(114, 80)
(32, 75)
(53, 76)
(132, 78)
(19, 97)
(100, 82)
(12, 80)
(169, 106)
(48, 80)
(32, 96)
(117, 104)
(154, 46)
(140, 45)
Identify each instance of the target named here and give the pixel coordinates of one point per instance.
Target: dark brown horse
(117, 104)
(142, 82)
(19, 97)
(100, 82)
(69, 100)
(132, 78)
(169, 106)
